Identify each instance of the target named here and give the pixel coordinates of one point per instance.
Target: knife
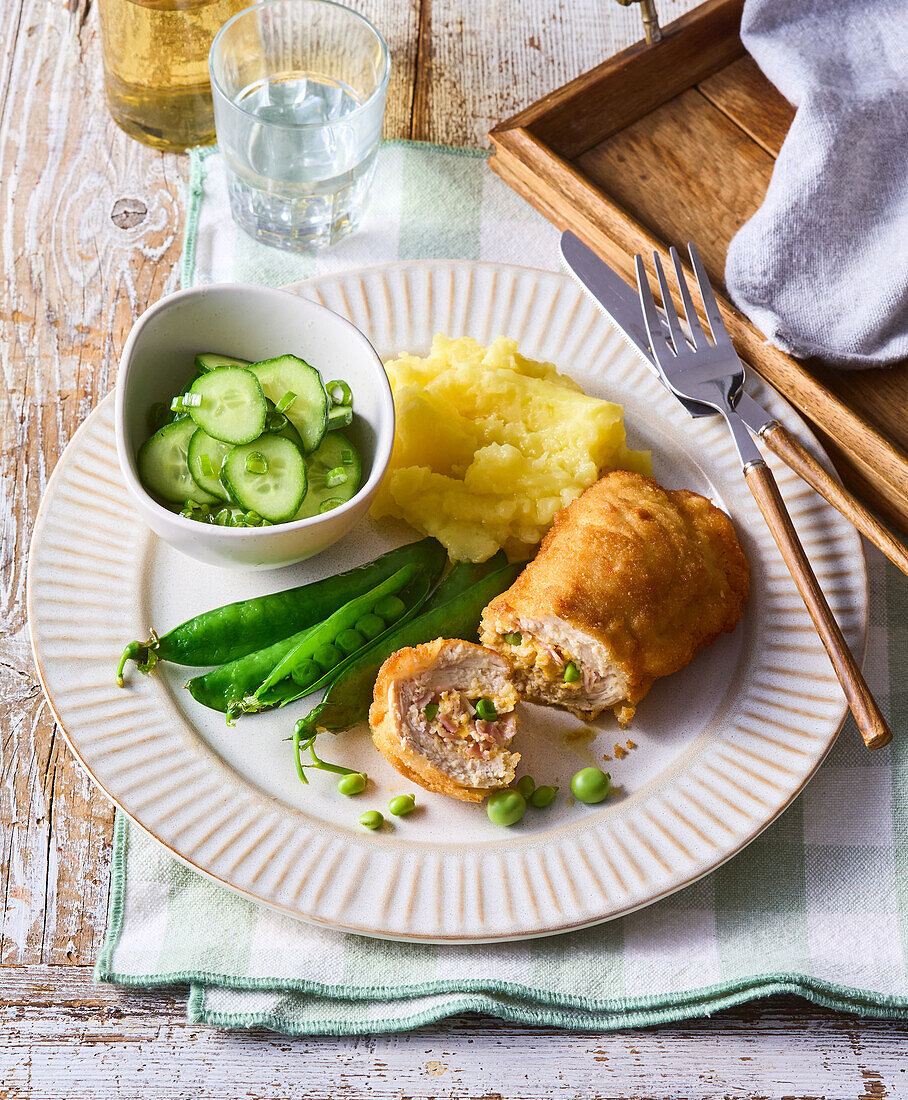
(619, 300)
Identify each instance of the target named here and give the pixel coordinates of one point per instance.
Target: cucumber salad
(252, 444)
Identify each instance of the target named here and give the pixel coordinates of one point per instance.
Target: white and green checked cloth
(817, 905)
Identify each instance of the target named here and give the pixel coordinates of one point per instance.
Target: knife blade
(619, 300)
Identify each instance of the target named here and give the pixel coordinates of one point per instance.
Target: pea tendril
(301, 745)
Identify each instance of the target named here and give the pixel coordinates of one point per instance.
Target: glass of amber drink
(156, 67)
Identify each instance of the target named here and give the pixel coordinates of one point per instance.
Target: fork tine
(650, 313)
(668, 308)
(690, 313)
(710, 308)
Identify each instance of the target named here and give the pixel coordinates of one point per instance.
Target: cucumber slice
(287, 430)
(210, 360)
(201, 444)
(309, 411)
(232, 405)
(164, 468)
(336, 452)
(276, 494)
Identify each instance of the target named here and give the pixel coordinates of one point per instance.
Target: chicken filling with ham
(551, 662)
(464, 731)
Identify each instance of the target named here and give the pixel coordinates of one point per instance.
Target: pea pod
(227, 633)
(289, 690)
(231, 688)
(326, 632)
(461, 577)
(222, 688)
(347, 700)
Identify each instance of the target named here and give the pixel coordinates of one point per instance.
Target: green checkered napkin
(817, 905)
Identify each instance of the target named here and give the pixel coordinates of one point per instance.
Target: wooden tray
(676, 141)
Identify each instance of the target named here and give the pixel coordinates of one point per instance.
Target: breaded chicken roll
(630, 582)
(443, 715)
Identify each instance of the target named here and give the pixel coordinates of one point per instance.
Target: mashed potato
(490, 445)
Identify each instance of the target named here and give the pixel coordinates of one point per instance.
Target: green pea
(306, 672)
(485, 709)
(543, 796)
(514, 638)
(354, 783)
(526, 784)
(327, 657)
(506, 807)
(430, 710)
(571, 673)
(372, 819)
(402, 804)
(591, 785)
(370, 626)
(349, 641)
(390, 608)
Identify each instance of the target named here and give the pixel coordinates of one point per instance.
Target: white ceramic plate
(722, 747)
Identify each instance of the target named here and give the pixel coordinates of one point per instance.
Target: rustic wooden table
(91, 233)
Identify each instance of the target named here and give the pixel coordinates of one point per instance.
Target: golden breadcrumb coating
(385, 724)
(653, 575)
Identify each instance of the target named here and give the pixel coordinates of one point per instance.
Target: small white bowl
(254, 323)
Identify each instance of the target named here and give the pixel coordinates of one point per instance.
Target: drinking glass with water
(299, 92)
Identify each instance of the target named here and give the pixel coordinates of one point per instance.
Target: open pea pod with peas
(316, 657)
(450, 613)
(231, 688)
(307, 676)
(228, 633)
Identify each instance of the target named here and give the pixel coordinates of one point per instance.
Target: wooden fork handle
(803, 463)
(867, 714)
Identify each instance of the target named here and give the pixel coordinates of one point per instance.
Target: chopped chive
(485, 709)
(207, 465)
(340, 416)
(335, 477)
(339, 392)
(225, 518)
(347, 457)
(571, 673)
(286, 401)
(192, 510)
(275, 421)
(252, 519)
(331, 502)
(514, 639)
(256, 463)
(430, 711)
(185, 401)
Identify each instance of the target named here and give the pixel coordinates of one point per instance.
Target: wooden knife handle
(867, 714)
(803, 463)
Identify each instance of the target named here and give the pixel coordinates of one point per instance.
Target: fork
(712, 374)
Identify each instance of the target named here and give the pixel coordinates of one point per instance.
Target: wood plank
(76, 278)
(481, 60)
(65, 1038)
(742, 92)
(572, 200)
(627, 87)
(686, 172)
(398, 23)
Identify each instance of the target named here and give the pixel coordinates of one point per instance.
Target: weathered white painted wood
(63, 1039)
(90, 232)
(482, 60)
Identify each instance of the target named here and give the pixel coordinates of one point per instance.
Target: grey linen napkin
(822, 267)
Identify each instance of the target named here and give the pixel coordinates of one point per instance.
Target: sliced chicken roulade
(630, 582)
(443, 715)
